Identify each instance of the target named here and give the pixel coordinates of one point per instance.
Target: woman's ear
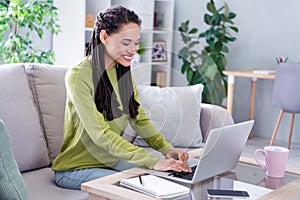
(103, 36)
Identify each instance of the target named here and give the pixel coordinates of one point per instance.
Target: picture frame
(159, 53)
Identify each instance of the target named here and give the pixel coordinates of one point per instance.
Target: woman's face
(121, 46)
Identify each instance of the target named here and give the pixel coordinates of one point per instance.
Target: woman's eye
(126, 44)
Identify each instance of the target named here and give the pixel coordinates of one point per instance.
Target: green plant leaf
(189, 74)
(193, 30)
(32, 17)
(232, 15)
(226, 10)
(208, 19)
(201, 35)
(211, 7)
(185, 66)
(208, 34)
(193, 43)
(234, 28)
(186, 38)
(206, 66)
(184, 26)
(183, 53)
(218, 46)
(216, 19)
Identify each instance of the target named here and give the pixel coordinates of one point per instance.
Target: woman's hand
(177, 154)
(171, 164)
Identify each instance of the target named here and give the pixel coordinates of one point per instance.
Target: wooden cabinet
(156, 29)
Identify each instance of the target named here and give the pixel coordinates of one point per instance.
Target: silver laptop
(220, 153)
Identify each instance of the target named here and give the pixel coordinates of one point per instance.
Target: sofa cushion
(11, 183)
(41, 185)
(175, 112)
(21, 118)
(47, 82)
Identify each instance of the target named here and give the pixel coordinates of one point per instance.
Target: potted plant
(140, 52)
(20, 19)
(205, 64)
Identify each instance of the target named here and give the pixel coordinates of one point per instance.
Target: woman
(101, 101)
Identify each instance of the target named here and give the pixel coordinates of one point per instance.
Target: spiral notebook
(155, 186)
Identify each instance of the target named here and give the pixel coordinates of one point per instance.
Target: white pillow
(175, 112)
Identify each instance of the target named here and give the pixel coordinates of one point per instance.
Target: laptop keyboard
(184, 175)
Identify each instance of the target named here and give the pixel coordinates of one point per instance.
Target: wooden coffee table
(287, 188)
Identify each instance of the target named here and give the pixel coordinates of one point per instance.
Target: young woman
(101, 101)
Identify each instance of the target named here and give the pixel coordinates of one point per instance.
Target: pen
(141, 181)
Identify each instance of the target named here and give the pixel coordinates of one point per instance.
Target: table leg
(230, 91)
(252, 100)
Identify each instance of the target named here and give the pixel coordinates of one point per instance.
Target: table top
(108, 186)
(249, 74)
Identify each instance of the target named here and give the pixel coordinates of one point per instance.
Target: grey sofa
(32, 101)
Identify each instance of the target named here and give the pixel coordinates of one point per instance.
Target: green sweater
(92, 141)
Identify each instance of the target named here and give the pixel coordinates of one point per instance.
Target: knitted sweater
(92, 141)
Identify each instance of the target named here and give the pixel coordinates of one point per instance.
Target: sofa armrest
(213, 116)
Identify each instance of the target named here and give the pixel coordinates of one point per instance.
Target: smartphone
(227, 193)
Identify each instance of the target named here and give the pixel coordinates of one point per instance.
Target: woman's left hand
(177, 154)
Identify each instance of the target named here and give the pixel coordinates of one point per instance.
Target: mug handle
(263, 152)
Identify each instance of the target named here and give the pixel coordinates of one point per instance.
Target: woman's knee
(74, 179)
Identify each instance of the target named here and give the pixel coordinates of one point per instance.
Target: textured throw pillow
(175, 112)
(48, 83)
(12, 186)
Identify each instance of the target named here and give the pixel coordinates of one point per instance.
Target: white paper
(155, 186)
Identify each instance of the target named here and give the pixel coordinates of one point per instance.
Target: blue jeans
(73, 179)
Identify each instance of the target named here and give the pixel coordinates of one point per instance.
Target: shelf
(145, 9)
(89, 29)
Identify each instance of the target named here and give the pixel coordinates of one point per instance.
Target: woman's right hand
(171, 164)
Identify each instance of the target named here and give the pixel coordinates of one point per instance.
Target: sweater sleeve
(80, 91)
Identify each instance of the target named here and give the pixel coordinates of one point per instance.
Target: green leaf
(231, 39)
(216, 19)
(226, 10)
(185, 66)
(183, 53)
(185, 38)
(190, 74)
(194, 30)
(225, 49)
(234, 28)
(184, 26)
(208, 34)
(192, 44)
(218, 46)
(207, 19)
(201, 35)
(211, 7)
(232, 15)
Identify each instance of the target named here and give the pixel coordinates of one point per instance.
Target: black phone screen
(226, 193)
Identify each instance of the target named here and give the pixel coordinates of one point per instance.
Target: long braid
(105, 97)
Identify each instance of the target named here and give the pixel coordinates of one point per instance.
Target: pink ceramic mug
(275, 160)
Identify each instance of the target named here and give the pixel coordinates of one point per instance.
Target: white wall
(267, 29)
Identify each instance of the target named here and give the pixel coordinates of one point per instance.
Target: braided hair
(105, 99)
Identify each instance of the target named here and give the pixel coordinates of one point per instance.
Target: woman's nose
(132, 49)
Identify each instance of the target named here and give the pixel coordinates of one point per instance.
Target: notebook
(220, 153)
(155, 186)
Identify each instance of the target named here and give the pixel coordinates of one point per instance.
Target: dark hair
(112, 20)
